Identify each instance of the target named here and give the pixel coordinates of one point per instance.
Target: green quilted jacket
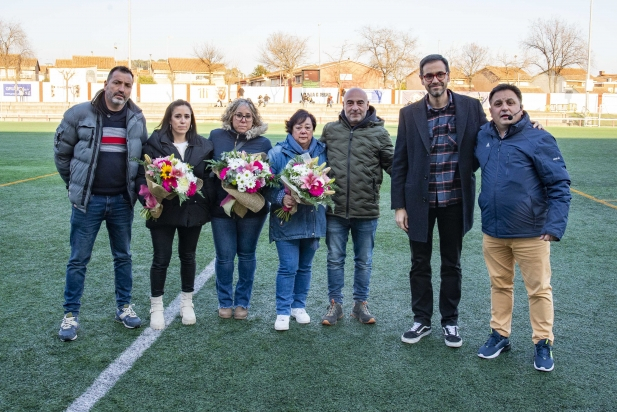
(358, 156)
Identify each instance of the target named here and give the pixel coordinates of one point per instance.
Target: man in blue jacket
(524, 199)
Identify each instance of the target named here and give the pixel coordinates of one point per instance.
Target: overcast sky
(60, 29)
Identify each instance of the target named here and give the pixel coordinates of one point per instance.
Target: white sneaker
(300, 315)
(282, 322)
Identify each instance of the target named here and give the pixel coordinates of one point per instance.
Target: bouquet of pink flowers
(166, 178)
(242, 176)
(307, 182)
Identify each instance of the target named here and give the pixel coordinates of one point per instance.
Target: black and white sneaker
(451, 336)
(417, 332)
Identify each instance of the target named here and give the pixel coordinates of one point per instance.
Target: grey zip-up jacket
(77, 143)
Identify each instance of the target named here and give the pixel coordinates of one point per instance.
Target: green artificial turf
(247, 366)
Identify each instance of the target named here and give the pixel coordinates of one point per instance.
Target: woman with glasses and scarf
(241, 130)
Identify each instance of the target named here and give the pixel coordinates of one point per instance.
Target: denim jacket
(307, 222)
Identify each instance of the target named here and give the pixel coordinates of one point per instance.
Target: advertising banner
(8, 89)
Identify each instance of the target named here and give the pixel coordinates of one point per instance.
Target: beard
(116, 98)
(437, 91)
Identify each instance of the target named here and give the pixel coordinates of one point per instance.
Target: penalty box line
(108, 378)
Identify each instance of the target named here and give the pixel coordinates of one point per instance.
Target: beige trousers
(533, 258)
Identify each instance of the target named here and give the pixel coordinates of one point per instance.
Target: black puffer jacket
(196, 210)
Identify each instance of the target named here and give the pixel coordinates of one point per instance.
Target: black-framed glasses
(240, 116)
(430, 76)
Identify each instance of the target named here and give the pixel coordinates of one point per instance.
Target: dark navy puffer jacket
(525, 189)
(226, 140)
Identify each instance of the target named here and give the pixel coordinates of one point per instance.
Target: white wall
(576, 98)
(609, 103)
(159, 93)
(276, 94)
(534, 101)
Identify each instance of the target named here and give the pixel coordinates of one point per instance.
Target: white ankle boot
(186, 308)
(157, 319)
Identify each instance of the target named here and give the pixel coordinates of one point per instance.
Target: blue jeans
(293, 279)
(235, 237)
(363, 237)
(117, 212)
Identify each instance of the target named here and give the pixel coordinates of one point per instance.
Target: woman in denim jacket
(297, 240)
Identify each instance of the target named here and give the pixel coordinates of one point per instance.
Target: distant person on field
(525, 200)
(260, 100)
(329, 101)
(359, 149)
(95, 148)
(266, 100)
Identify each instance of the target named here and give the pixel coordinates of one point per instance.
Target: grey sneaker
(334, 313)
(360, 312)
(68, 328)
(127, 316)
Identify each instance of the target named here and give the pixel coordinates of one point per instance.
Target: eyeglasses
(430, 76)
(240, 116)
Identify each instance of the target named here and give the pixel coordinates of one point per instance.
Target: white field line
(108, 378)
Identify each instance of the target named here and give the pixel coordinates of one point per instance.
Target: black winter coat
(196, 210)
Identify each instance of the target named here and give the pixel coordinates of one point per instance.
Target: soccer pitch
(233, 365)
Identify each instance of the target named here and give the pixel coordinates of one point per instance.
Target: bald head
(356, 105)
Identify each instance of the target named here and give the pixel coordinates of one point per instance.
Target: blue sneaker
(494, 346)
(543, 356)
(127, 316)
(68, 328)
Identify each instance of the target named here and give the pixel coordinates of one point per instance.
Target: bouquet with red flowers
(307, 182)
(166, 178)
(242, 176)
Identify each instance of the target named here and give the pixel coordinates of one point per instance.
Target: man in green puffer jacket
(359, 149)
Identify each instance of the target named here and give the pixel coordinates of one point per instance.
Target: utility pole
(129, 34)
(588, 80)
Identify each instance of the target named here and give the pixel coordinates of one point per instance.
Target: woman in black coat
(177, 135)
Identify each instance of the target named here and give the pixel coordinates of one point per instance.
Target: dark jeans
(450, 225)
(117, 213)
(162, 242)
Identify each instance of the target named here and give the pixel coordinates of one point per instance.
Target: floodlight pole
(129, 34)
(588, 65)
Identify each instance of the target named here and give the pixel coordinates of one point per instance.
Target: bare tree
(67, 75)
(469, 59)
(390, 51)
(284, 52)
(512, 65)
(339, 57)
(555, 45)
(232, 76)
(14, 48)
(211, 57)
(14, 45)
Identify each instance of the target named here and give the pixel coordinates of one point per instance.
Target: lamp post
(588, 80)
(129, 34)
(319, 50)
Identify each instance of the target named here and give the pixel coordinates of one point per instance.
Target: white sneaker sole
(415, 340)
